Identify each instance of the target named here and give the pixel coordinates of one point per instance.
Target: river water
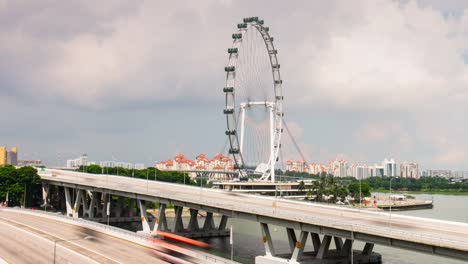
(247, 235)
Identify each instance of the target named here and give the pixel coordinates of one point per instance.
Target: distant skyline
(141, 81)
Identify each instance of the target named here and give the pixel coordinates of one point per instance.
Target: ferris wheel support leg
(242, 113)
(272, 145)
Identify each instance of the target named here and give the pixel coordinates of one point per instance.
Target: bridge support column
(92, 205)
(178, 223)
(162, 221)
(80, 197)
(106, 199)
(368, 249)
(223, 222)
(131, 208)
(144, 216)
(68, 201)
(267, 241)
(347, 247)
(45, 194)
(209, 222)
(338, 243)
(291, 238)
(118, 208)
(299, 247)
(193, 223)
(325, 245)
(315, 241)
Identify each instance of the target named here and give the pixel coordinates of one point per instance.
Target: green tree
(94, 169)
(363, 186)
(301, 186)
(28, 178)
(21, 184)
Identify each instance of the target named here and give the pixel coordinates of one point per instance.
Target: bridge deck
(420, 234)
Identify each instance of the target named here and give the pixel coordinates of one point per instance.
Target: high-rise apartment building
(376, 171)
(409, 170)
(12, 157)
(8, 157)
(389, 167)
(81, 161)
(3, 156)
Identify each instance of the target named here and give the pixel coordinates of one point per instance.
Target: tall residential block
(389, 167)
(409, 170)
(12, 156)
(3, 155)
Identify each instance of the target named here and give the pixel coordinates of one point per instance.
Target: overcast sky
(141, 81)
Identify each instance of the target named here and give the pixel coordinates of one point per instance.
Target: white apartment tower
(389, 167)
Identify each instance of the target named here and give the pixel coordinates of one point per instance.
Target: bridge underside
(108, 207)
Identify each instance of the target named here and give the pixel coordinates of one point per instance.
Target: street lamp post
(24, 196)
(147, 175)
(360, 193)
(391, 202)
(66, 240)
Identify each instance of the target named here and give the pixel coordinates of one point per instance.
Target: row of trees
(148, 173)
(22, 185)
(327, 188)
(423, 184)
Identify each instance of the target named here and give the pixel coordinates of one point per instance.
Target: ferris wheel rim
(230, 99)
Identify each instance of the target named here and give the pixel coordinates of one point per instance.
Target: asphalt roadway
(30, 239)
(416, 229)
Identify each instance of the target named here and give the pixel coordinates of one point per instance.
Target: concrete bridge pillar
(178, 223)
(299, 247)
(144, 216)
(92, 205)
(193, 223)
(267, 241)
(68, 201)
(324, 246)
(223, 222)
(118, 208)
(45, 194)
(161, 222)
(209, 222)
(80, 201)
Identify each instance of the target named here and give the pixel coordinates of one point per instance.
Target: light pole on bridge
(391, 202)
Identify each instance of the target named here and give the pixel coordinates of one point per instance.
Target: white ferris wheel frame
(275, 106)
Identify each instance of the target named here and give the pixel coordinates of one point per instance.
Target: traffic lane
(21, 246)
(425, 227)
(110, 249)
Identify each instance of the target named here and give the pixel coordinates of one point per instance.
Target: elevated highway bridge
(324, 224)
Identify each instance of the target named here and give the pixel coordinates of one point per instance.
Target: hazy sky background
(141, 81)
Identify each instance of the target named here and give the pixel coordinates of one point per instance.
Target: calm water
(248, 244)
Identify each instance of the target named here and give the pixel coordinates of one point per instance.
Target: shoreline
(421, 192)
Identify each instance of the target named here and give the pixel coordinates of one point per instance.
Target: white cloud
(395, 56)
(381, 55)
(368, 53)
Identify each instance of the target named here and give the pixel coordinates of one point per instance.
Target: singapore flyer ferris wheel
(254, 100)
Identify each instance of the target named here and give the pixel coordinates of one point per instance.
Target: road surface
(30, 239)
